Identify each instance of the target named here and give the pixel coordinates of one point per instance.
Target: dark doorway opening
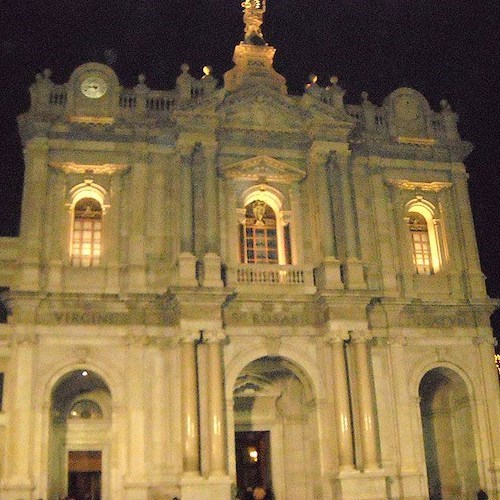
(84, 475)
(253, 461)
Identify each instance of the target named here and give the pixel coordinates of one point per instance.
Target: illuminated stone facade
(220, 286)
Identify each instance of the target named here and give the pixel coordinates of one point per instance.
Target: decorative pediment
(263, 169)
(262, 109)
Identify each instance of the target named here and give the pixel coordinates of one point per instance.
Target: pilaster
(17, 481)
(137, 213)
(31, 231)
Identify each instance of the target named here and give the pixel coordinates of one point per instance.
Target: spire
(253, 14)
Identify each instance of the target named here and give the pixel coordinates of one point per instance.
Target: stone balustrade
(275, 275)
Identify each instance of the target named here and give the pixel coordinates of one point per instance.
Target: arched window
(260, 239)
(264, 239)
(86, 234)
(420, 243)
(426, 237)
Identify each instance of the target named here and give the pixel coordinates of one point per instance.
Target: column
(365, 400)
(17, 482)
(216, 417)
(330, 270)
(136, 211)
(325, 208)
(159, 424)
(187, 260)
(353, 268)
(136, 424)
(186, 204)
(383, 232)
(111, 236)
(343, 418)
(211, 259)
(35, 183)
(297, 225)
(59, 221)
(189, 406)
(211, 205)
(364, 209)
(470, 255)
(156, 207)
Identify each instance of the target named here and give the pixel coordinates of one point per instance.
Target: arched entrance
(276, 441)
(79, 437)
(450, 451)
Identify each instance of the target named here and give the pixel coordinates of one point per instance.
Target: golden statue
(253, 12)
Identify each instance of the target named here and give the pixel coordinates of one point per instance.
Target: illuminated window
(262, 240)
(86, 235)
(420, 243)
(259, 241)
(85, 408)
(427, 237)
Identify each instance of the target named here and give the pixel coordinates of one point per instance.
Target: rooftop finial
(253, 13)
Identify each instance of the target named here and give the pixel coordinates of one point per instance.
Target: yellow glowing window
(259, 239)
(86, 237)
(422, 258)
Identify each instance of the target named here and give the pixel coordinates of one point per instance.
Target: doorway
(448, 432)
(84, 475)
(252, 460)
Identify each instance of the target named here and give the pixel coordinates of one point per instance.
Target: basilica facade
(223, 286)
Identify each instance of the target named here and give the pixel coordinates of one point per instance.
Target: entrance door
(84, 475)
(253, 466)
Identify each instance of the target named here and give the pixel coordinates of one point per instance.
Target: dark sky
(445, 49)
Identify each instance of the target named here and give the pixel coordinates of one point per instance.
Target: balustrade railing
(275, 275)
(58, 96)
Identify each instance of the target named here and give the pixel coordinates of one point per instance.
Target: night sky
(445, 49)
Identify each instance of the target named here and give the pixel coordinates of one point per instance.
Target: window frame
(80, 192)
(427, 211)
(274, 201)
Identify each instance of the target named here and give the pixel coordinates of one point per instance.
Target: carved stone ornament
(435, 186)
(263, 167)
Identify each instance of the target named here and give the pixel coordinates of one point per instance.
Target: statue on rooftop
(253, 13)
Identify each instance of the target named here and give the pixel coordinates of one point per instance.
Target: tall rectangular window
(86, 237)
(422, 258)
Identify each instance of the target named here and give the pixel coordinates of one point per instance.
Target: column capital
(187, 335)
(358, 336)
(336, 336)
(214, 335)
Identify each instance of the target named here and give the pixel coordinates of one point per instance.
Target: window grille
(422, 258)
(86, 238)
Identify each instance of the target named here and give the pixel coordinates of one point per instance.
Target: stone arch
(66, 438)
(274, 408)
(46, 385)
(449, 433)
(299, 358)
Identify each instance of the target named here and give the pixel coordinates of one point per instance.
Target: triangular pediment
(263, 169)
(260, 108)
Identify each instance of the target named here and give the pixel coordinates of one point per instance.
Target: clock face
(407, 108)
(93, 87)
